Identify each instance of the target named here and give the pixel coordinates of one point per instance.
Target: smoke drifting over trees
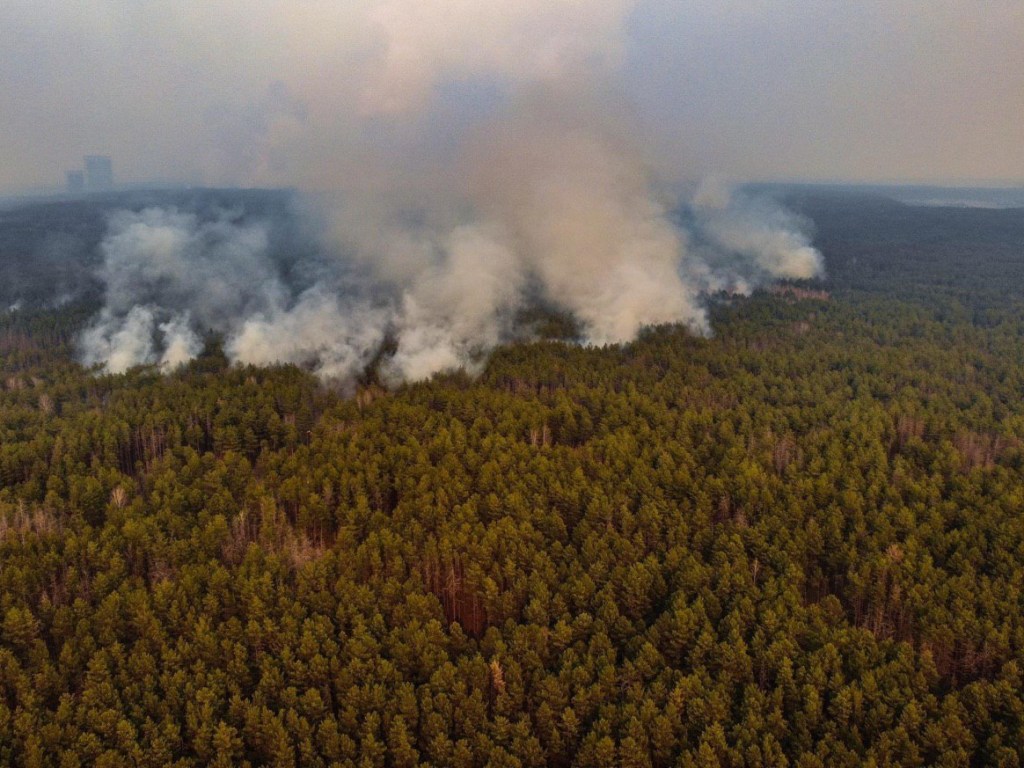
(590, 240)
(440, 226)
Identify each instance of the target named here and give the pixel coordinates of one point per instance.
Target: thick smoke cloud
(169, 257)
(591, 240)
(437, 225)
(578, 204)
(745, 241)
(171, 277)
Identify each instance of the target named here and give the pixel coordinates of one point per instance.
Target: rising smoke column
(172, 276)
(448, 223)
(751, 240)
(588, 238)
(166, 272)
(337, 337)
(585, 220)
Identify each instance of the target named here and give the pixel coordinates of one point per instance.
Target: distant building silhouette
(99, 172)
(76, 181)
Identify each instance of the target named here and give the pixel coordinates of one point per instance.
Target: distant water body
(958, 197)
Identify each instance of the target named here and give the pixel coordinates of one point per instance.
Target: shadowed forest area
(799, 541)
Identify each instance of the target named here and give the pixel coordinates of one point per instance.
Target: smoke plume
(460, 172)
(743, 241)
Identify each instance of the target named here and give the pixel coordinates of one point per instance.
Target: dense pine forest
(797, 541)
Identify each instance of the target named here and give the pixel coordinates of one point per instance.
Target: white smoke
(589, 239)
(449, 223)
(217, 269)
(119, 343)
(586, 223)
(172, 276)
(122, 342)
(320, 330)
(459, 308)
(180, 342)
(748, 240)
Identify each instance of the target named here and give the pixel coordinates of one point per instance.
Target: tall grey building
(99, 172)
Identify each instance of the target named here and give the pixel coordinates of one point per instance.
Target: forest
(798, 541)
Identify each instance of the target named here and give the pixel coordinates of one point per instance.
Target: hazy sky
(316, 92)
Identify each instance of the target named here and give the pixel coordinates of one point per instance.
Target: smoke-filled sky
(465, 160)
(385, 94)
